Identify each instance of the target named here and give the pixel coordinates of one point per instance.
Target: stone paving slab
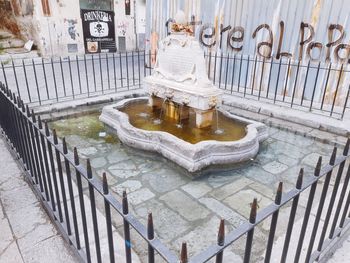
(342, 254)
(27, 234)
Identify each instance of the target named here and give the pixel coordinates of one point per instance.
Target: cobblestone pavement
(26, 232)
(188, 209)
(342, 254)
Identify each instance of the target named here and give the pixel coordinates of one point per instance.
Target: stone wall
(56, 26)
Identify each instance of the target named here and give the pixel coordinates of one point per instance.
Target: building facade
(62, 27)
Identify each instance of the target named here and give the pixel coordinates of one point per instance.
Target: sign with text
(98, 30)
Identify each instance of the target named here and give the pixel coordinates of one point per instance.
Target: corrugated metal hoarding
(306, 30)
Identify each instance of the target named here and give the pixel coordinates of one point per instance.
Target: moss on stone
(88, 126)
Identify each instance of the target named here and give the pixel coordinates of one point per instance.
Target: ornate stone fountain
(180, 78)
(182, 103)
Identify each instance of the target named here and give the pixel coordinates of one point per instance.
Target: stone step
(5, 34)
(11, 43)
(17, 53)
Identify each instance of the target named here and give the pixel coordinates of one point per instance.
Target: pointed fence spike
(47, 131)
(150, 228)
(55, 140)
(346, 148)
(300, 179)
(27, 110)
(104, 184)
(183, 257)
(88, 168)
(23, 107)
(334, 155)
(33, 116)
(278, 197)
(125, 203)
(76, 157)
(40, 122)
(254, 208)
(65, 150)
(221, 233)
(15, 100)
(318, 166)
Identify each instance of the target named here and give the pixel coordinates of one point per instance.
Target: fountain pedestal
(204, 118)
(180, 76)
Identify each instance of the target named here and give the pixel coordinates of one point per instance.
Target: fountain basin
(192, 156)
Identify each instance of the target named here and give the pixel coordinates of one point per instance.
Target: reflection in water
(142, 116)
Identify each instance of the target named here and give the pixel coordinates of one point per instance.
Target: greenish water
(87, 126)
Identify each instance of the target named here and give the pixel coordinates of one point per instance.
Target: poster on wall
(98, 31)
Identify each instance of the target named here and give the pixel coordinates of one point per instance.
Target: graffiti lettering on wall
(122, 28)
(72, 31)
(308, 46)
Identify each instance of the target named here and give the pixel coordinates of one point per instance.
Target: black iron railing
(312, 86)
(41, 81)
(53, 171)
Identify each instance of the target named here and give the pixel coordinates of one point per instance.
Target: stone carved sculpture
(180, 72)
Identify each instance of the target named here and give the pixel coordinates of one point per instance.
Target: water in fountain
(159, 120)
(144, 115)
(233, 130)
(218, 130)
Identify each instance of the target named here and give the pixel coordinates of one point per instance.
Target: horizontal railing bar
(55, 60)
(134, 54)
(274, 62)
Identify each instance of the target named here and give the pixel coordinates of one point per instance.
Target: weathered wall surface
(60, 29)
(56, 26)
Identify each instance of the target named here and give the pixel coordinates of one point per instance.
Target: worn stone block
(229, 189)
(241, 201)
(222, 211)
(196, 188)
(129, 186)
(184, 205)
(140, 196)
(275, 167)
